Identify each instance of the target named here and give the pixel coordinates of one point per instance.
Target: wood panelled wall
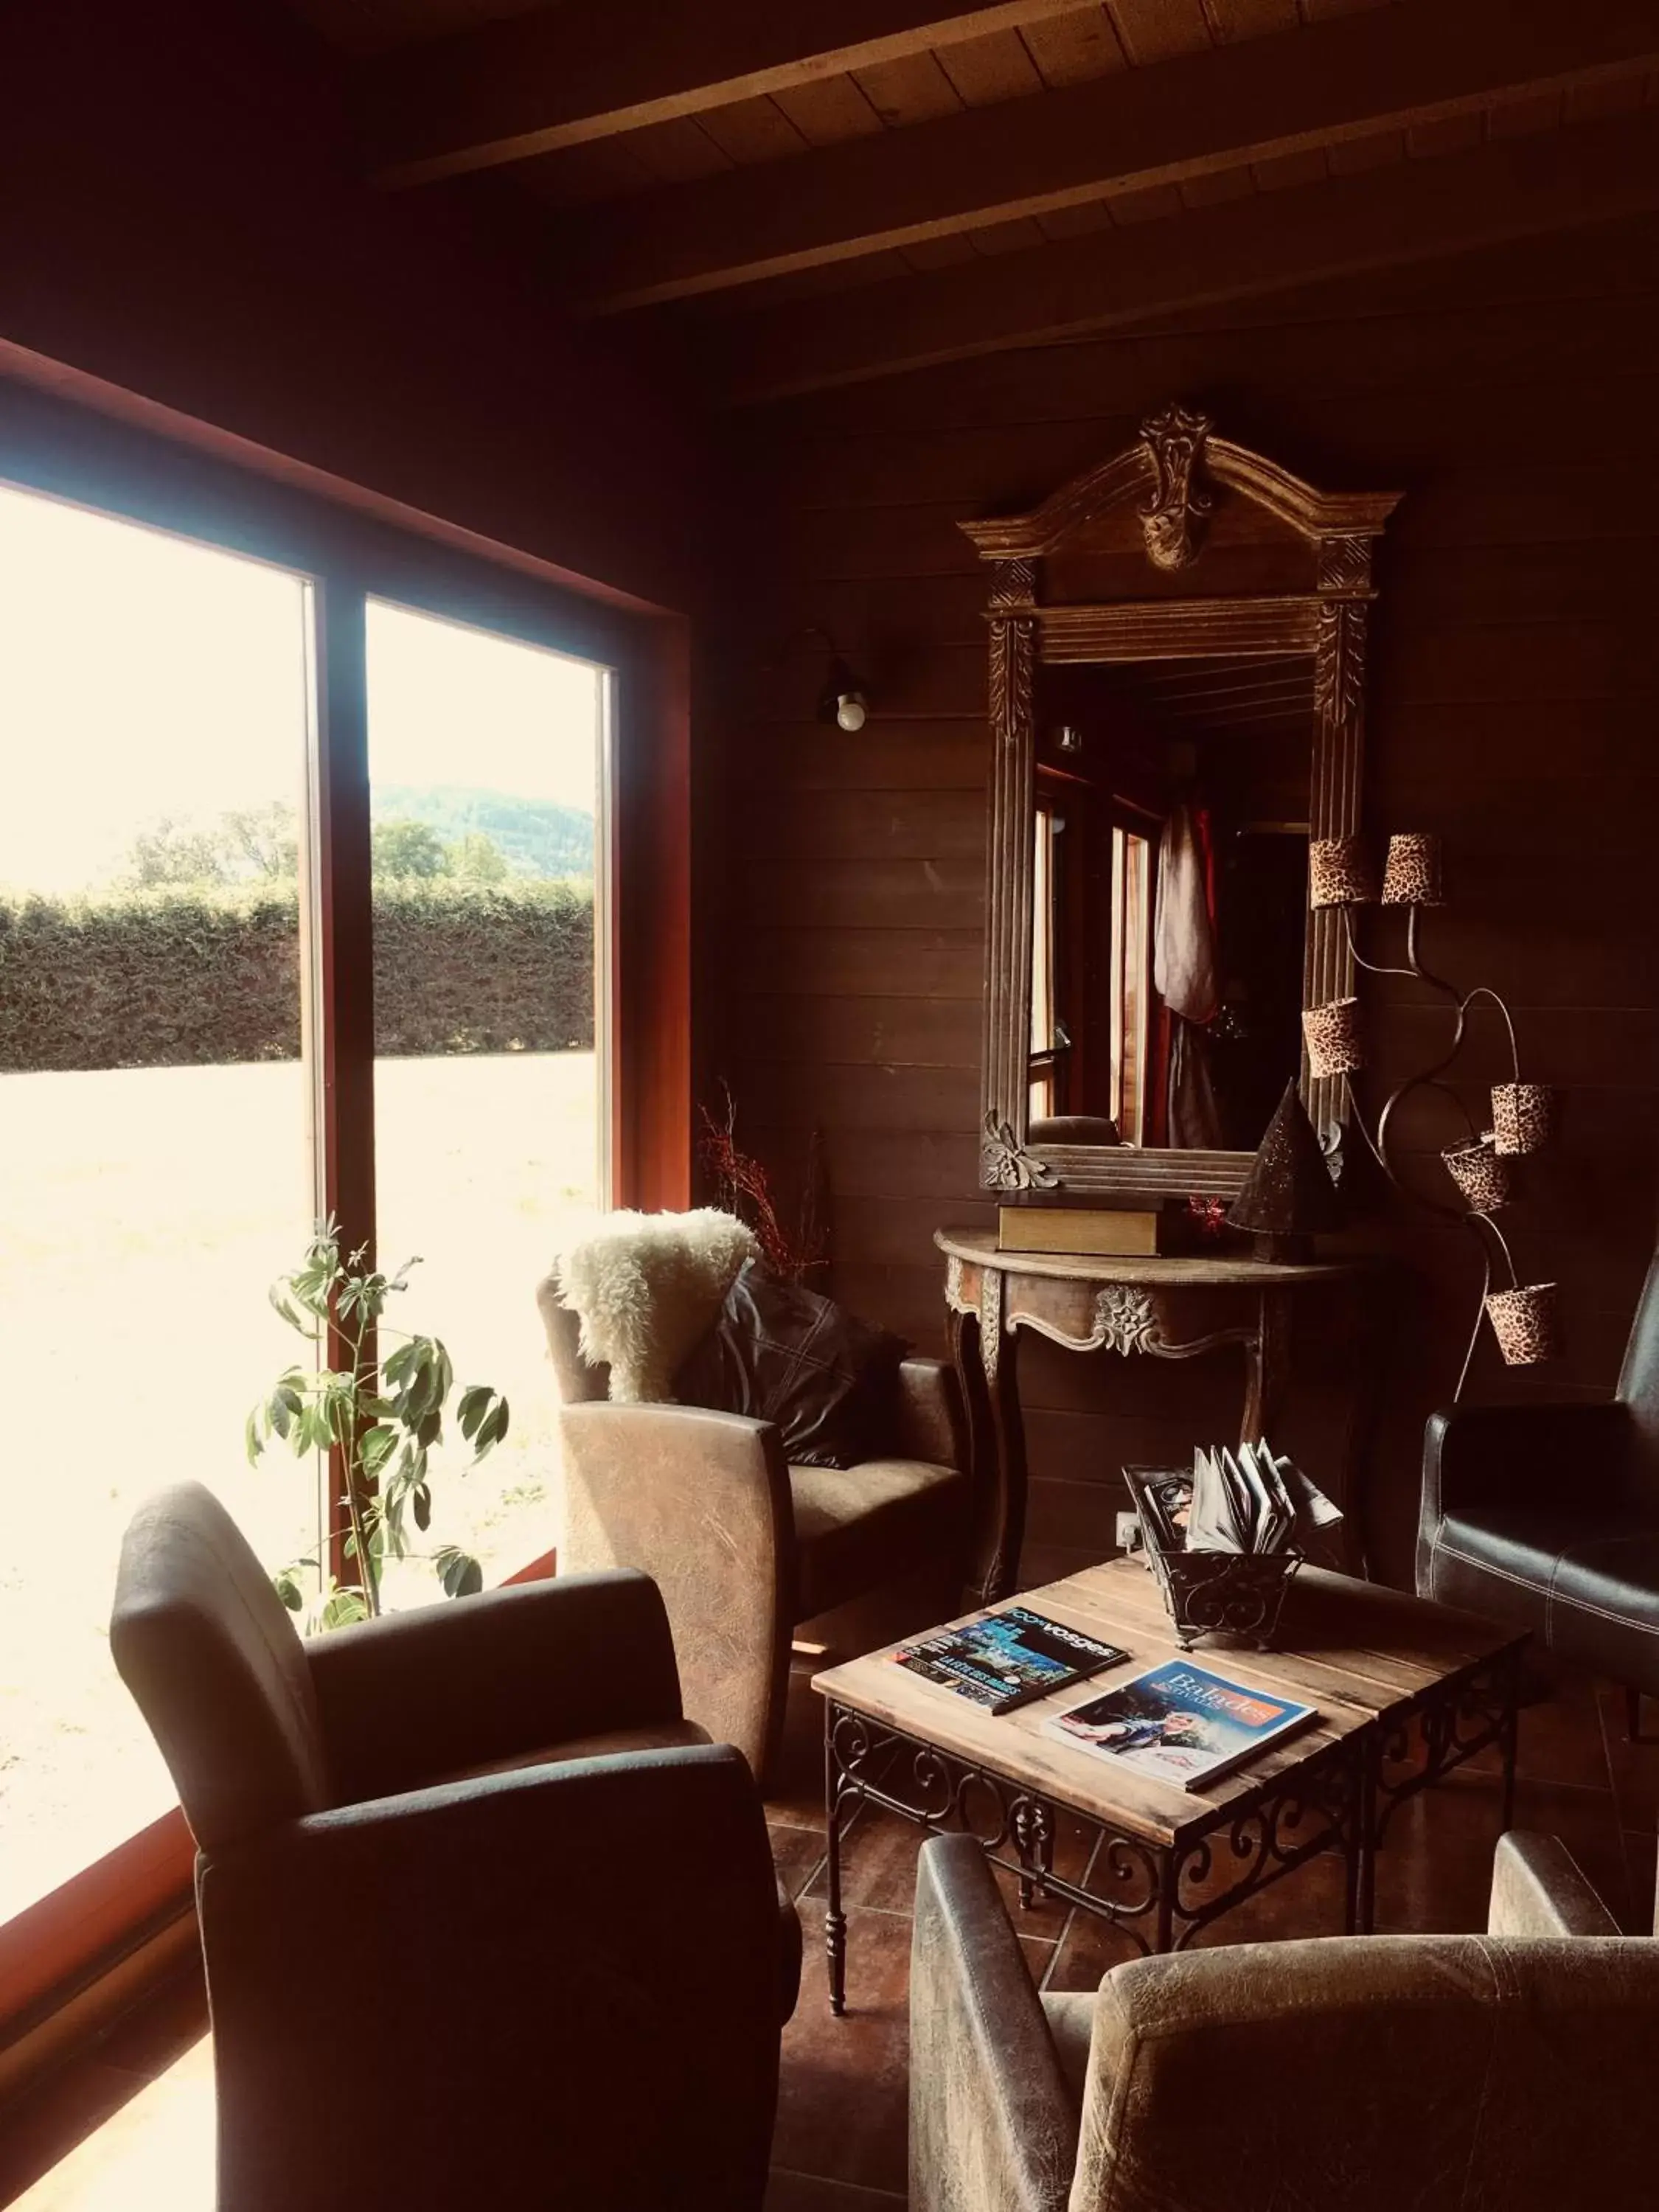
(1514, 398)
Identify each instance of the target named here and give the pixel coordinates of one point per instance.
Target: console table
(1174, 1309)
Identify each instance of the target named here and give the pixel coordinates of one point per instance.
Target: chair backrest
(1639, 1378)
(579, 1384)
(202, 1642)
(1371, 2072)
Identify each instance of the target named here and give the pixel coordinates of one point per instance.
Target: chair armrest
(928, 1416)
(991, 2126)
(416, 1695)
(1474, 1453)
(429, 1999)
(701, 1501)
(1537, 1889)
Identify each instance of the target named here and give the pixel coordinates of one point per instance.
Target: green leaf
(342, 1607)
(289, 1590)
(458, 1571)
(374, 1447)
(472, 1406)
(251, 1439)
(422, 1502)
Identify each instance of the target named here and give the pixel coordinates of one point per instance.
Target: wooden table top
(1358, 1651)
(978, 1248)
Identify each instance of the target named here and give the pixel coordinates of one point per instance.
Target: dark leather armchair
(1547, 1514)
(747, 1549)
(1364, 2072)
(485, 1918)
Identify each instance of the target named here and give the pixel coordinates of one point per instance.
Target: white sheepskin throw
(646, 1286)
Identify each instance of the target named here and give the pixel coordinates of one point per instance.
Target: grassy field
(144, 1213)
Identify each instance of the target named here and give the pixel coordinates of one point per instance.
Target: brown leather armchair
(1366, 2072)
(748, 1550)
(462, 1874)
(1547, 1514)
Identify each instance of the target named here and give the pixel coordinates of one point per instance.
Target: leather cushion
(665, 1735)
(1585, 1579)
(779, 1352)
(858, 1527)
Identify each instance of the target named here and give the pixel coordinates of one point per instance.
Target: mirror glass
(1169, 863)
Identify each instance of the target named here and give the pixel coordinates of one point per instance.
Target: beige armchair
(1446, 2073)
(747, 1550)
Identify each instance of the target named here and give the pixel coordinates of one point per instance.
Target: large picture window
(322, 852)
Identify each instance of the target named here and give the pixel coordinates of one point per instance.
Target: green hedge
(180, 978)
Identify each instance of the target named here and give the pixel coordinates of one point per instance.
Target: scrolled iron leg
(835, 1920)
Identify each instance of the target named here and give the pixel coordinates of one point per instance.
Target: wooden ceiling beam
(1416, 211)
(1350, 77)
(566, 75)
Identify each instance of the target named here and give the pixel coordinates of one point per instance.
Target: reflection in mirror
(1170, 811)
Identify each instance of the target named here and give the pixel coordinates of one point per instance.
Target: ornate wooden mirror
(1177, 644)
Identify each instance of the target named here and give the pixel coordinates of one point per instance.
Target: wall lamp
(843, 697)
(843, 700)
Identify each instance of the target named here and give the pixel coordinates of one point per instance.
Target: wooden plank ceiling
(796, 197)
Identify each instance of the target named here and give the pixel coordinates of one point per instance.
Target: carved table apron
(1174, 1309)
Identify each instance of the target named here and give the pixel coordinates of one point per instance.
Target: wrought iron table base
(1162, 1897)
(1343, 1800)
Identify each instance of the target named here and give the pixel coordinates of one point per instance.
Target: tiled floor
(839, 2145)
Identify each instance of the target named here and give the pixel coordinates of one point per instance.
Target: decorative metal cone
(1486, 1181)
(1335, 1045)
(1525, 1116)
(1288, 1191)
(1412, 872)
(1340, 873)
(1527, 1322)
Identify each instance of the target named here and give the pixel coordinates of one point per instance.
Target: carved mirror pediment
(1177, 653)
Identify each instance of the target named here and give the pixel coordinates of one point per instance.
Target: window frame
(72, 437)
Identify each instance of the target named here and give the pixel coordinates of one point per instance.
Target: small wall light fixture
(843, 700)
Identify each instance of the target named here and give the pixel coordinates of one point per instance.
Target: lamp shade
(1525, 1116)
(1412, 874)
(1486, 1181)
(1335, 1043)
(1527, 1322)
(1340, 873)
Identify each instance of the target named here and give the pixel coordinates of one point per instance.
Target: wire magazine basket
(1207, 1593)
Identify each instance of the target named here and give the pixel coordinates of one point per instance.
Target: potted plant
(385, 1411)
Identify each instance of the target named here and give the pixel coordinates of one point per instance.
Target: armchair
(747, 1549)
(1547, 1514)
(456, 1871)
(1438, 2071)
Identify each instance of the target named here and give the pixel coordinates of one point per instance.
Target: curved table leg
(986, 1367)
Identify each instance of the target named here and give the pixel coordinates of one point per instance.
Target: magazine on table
(1006, 1658)
(1181, 1723)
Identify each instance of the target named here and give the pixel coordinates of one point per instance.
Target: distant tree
(408, 851)
(172, 851)
(478, 859)
(261, 843)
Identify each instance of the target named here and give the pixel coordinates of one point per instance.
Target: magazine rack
(1211, 1593)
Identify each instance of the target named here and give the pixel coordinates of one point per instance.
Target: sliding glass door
(155, 1163)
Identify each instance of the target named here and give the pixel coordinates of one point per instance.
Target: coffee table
(1406, 1692)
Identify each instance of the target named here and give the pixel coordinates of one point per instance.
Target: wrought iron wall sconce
(1525, 1116)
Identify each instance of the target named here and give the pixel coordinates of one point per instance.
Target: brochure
(1181, 1723)
(1006, 1658)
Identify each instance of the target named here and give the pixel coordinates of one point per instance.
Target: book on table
(1180, 1723)
(1006, 1658)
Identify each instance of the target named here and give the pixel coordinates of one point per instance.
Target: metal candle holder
(1481, 1166)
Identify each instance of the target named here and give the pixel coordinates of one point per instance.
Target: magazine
(1179, 1724)
(1006, 1658)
